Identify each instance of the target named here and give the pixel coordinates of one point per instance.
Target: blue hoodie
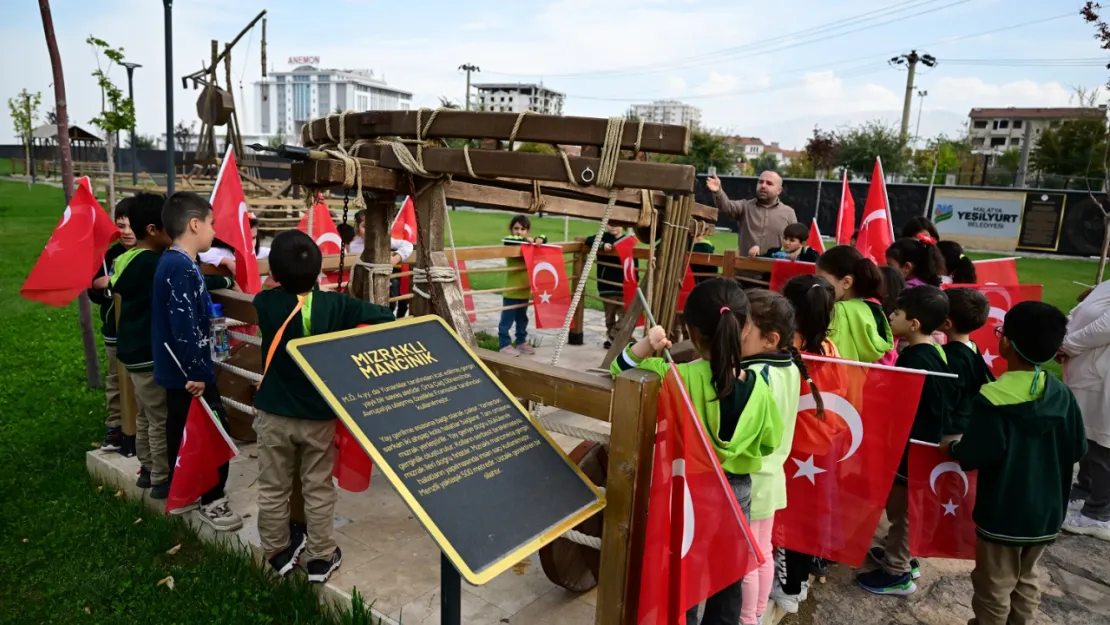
(179, 318)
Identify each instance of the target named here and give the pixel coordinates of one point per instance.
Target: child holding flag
(609, 280)
(859, 328)
(967, 312)
(736, 406)
(921, 310)
(519, 228)
(1025, 438)
(294, 422)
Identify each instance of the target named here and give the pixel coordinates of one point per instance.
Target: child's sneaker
(1075, 505)
(113, 440)
(320, 570)
(509, 350)
(526, 349)
(882, 583)
(1077, 523)
(820, 570)
(878, 554)
(160, 491)
(802, 596)
(186, 509)
(144, 478)
(789, 603)
(127, 447)
(220, 516)
(284, 561)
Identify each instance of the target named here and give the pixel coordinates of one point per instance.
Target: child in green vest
(859, 329)
(967, 312)
(517, 297)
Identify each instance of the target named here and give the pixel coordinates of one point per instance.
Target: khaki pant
(150, 425)
(897, 547)
(1005, 583)
(111, 388)
(613, 315)
(281, 441)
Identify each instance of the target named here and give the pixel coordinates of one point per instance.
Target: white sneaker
(1075, 505)
(802, 596)
(219, 515)
(509, 350)
(789, 603)
(186, 509)
(1076, 523)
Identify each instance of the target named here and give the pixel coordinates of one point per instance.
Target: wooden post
(635, 396)
(624, 332)
(448, 297)
(577, 334)
(728, 267)
(128, 408)
(378, 212)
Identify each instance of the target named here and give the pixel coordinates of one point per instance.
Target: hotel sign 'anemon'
(304, 60)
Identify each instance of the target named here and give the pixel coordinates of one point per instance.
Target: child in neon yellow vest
(859, 328)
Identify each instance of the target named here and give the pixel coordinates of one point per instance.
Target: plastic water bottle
(218, 341)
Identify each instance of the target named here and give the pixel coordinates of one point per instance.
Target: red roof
(1067, 112)
(744, 141)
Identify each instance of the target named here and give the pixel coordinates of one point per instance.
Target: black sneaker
(320, 570)
(607, 344)
(113, 440)
(144, 478)
(878, 554)
(160, 491)
(820, 570)
(284, 561)
(127, 447)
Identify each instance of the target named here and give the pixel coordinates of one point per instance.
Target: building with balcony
(1006, 128)
(668, 112)
(518, 97)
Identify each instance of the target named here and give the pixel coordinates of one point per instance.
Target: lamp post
(131, 67)
(170, 160)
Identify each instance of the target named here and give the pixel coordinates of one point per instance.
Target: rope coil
(246, 338)
(238, 405)
(574, 431)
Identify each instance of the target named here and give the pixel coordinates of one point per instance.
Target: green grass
(70, 553)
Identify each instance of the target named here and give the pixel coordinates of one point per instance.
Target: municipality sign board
(988, 214)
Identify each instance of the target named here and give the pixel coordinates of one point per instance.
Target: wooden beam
(661, 138)
(497, 197)
(376, 251)
(566, 389)
(236, 305)
(329, 173)
(446, 297)
(624, 332)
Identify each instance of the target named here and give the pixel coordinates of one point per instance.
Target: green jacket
(1024, 442)
(743, 428)
(965, 361)
(515, 278)
(285, 389)
(769, 482)
(860, 330)
(609, 274)
(934, 410)
(103, 297)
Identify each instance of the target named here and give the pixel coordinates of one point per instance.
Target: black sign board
(1041, 221)
(486, 481)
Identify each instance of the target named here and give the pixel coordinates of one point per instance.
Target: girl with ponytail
(736, 406)
(960, 268)
(859, 328)
(918, 258)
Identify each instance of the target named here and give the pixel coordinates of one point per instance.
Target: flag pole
(207, 408)
(651, 321)
(886, 198)
(840, 209)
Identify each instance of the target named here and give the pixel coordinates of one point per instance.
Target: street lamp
(131, 67)
(920, 106)
(168, 4)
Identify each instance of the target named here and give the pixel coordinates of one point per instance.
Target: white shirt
(402, 247)
(216, 254)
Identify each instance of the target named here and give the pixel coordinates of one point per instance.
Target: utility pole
(910, 61)
(171, 166)
(468, 67)
(131, 96)
(1023, 164)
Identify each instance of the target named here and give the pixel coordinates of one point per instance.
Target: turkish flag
(404, 224)
(74, 252)
(783, 270)
(846, 216)
(942, 498)
(205, 447)
(547, 275)
(840, 470)
(876, 232)
(1002, 298)
(352, 465)
(231, 220)
(468, 299)
(697, 541)
(324, 231)
(631, 280)
(996, 271)
(815, 241)
(688, 284)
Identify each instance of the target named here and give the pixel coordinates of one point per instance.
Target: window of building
(1015, 141)
(302, 98)
(1017, 124)
(1001, 124)
(981, 124)
(997, 142)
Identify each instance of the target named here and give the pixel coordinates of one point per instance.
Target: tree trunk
(27, 155)
(110, 145)
(88, 339)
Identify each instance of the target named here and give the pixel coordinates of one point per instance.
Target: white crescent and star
(879, 215)
(989, 358)
(678, 470)
(844, 408)
(997, 290)
(941, 469)
(329, 237)
(542, 267)
(629, 271)
(807, 469)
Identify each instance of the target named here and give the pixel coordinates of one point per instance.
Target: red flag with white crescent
(697, 541)
(231, 220)
(547, 276)
(815, 241)
(631, 281)
(846, 216)
(404, 224)
(942, 498)
(876, 232)
(1002, 298)
(324, 231)
(783, 270)
(205, 446)
(840, 469)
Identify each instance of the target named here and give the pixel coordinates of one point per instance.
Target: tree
(448, 103)
(768, 161)
(860, 145)
(536, 148)
(52, 117)
(822, 150)
(84, 308)
(144, 142)
(117, 112)
(707, 149)
(1075, 148)
(24, 109)
(183, 136)
(799, 167)
(1090, 13)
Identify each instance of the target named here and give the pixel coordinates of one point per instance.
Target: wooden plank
(566, 389)
(624, 332)
(376, 250)
(329, 173)
(236, 305)
(661, 138)
(446, 297)
(497, 197)
(635, 397)
(627, 197)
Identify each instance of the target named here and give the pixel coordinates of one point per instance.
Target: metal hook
(585, 177)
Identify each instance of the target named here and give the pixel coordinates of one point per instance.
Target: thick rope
(246, 338)
(585, 540)
(433, 274)
(238, 405)
(241, 372)
(352, 169)
(650, 277)
(574, 431)
(538, 201)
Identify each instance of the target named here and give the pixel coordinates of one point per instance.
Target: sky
(768, 69)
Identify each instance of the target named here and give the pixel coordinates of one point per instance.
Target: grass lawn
(68, 552)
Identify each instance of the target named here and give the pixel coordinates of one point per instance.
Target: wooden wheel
(568, 564)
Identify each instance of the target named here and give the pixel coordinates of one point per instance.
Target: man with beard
(759, 220)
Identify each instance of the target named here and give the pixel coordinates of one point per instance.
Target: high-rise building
(518, 97)
(668, 112)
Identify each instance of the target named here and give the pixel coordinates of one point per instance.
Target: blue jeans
(519, 316)
(723, 608)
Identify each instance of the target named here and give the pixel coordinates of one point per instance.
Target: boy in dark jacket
(609, 282)
(101, 295)
(133, 280)
(295, 425)
(920, 312)
(793, 246)
(181, 323)
(967, 312)
(1025, 436)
